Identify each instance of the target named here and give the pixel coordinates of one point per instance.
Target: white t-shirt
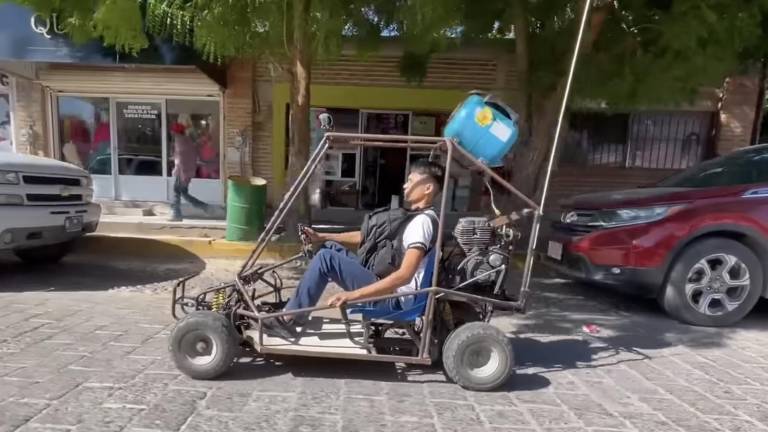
(418, 234)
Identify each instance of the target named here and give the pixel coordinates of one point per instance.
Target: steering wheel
(306, 242)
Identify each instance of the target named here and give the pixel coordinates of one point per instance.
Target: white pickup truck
(45, 205)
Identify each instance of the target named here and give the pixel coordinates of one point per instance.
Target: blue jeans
(181, 189)
(334, 262)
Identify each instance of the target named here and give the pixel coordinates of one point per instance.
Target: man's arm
(349, 238)
(388, 285)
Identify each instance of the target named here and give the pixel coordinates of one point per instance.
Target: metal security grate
(668, 140)
(657, 140)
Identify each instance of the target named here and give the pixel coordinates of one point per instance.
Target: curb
(201, 247)
(170, 246)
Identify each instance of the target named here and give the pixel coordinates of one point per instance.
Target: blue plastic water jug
(485, 127)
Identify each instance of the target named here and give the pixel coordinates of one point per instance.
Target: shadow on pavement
(551, 335)
(302, 367)
(139, 262)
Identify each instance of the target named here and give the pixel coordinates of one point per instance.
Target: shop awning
(27, 37)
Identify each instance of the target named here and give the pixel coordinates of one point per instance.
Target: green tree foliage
(637, 52)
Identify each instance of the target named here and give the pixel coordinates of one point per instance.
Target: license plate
(555, 250)
(73, 223)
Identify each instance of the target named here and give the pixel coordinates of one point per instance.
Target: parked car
(129, 164)
(45, 205)
(697, 241)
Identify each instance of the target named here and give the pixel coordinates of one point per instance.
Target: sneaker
(210, 211)
(278, 327)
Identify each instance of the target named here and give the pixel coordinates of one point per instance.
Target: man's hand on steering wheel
(313, 235)
(307, 240)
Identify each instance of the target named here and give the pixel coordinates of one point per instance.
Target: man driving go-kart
(392, 256)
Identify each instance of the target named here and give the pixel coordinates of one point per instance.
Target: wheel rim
(199, 348)
(481, 360)
(717, 284)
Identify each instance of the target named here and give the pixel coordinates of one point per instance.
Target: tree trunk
(298, 124)
(529, 164)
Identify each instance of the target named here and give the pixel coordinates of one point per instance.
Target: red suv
(697, 241)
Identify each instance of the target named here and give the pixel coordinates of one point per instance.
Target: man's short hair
(431, 169)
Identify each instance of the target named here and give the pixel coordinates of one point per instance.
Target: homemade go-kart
(448, 319)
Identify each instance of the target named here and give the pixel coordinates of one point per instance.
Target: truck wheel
(715, 282)
(478, 356)
(203, 344)
(49, 254)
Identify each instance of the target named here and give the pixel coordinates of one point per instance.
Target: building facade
(113, 116)
(366, 95)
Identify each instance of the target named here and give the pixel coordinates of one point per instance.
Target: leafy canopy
(643, 52)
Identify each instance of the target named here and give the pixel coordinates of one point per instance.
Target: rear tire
(204, 344)
(478, 356)
(715, 282)
(50, 254)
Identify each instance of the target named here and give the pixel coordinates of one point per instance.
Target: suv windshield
(742, 167)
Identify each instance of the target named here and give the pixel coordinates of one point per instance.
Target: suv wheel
(714, 282)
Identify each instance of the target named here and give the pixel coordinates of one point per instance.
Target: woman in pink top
(184, 168)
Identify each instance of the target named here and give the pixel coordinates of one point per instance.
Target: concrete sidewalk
(164, 246)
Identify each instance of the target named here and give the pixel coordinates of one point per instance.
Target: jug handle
(493, 100)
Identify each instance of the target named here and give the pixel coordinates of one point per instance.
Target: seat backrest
(426, 280)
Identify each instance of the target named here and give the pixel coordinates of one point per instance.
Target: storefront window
(428, 124)
(6, 130)
(139, 138)
(84, 134)
(201, 126)
(384, 169)
(373, 177)
(336, 183)
(6, 137)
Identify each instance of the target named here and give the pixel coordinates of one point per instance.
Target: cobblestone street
(83, 347)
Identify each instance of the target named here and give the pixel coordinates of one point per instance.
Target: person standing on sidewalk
(184, 169)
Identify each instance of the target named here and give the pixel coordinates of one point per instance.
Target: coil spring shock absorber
(219, 297)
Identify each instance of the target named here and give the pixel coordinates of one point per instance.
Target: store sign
(45, 26)
(27, 36)
(141, 112)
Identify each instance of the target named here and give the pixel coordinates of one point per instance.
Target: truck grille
(51, 181)
(53, 198)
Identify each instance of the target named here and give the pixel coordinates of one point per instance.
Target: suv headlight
(620, 217)
(9, 177)
(88, 182)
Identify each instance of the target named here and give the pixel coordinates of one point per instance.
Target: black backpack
(382, 234)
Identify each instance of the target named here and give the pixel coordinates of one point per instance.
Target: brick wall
(737, 114)
(29, 119)
(238, 106)
(262, 136)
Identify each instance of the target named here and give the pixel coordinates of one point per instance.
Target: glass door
(201, 124)
(139, 149)
(383, 169)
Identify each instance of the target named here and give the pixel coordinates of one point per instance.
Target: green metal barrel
(246, 207)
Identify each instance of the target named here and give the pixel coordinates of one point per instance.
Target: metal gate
(653, 139)
(668, 140)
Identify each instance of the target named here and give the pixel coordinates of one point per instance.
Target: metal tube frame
(248, 269)
(552, 154)
(332, 139)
